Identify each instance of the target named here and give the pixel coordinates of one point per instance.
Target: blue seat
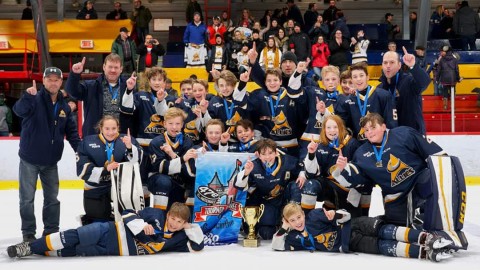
(173, 61)
(175, 47)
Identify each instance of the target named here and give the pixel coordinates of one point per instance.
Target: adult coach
(101, 96)
(46, 121)
(406, 88)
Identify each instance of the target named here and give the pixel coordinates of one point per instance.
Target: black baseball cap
(124, 29)
(52, 70)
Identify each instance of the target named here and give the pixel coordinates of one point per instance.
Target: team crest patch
(327, 239)
(399, 171)
(156, 125)
(281, 128)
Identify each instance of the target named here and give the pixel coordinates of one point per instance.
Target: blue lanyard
(55, 110)
(152, 96)
(228, 110)
(109, 150)
(310, 238)
(363, 108)
(333, 143)
(378, 154)
(244, 146)
(272, 108)
(332, 95)
(210, 147)
(110, 89)
(179, 138)
(269, 169)
(392, 91)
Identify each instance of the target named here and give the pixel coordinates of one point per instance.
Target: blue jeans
(51, 206)
(318, 72)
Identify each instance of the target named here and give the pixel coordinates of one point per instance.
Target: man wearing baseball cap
(124, 46)
(217, 28)
(46, 121)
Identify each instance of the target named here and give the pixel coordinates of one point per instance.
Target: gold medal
(379, 164)
(114, 101)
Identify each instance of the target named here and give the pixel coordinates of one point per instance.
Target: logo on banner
(212, 193)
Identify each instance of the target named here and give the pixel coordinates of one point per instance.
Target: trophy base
(251, 242)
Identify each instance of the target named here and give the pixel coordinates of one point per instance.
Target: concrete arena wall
(463, 146)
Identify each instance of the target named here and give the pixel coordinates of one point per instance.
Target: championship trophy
(251, 215)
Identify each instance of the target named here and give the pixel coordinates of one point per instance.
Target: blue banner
(217, 202)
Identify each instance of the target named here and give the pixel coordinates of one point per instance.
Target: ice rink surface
(233, 256)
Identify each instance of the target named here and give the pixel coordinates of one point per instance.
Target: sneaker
(437, 255)
(19, 250)
(29, 238)
(434, 241)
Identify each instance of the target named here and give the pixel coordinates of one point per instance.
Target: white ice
(233, 256)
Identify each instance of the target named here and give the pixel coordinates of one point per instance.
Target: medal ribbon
(378, 154)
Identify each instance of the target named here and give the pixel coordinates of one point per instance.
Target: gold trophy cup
(251, 215)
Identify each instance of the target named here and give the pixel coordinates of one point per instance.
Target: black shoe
(29, 238)
(19, 250)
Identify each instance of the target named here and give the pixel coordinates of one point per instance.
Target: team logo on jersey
(232, 122)
(212, 194)
(191, 131)
(156, 125)
(275, 192)
(281, 128)
(327, 239)
(399, 171)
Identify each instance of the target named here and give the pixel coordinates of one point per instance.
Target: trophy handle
(261, 209)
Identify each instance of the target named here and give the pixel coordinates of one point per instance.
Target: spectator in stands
(226, 21)
(266, 18)
(341, 24)
(168, 88)
(217, 58)
(330, 15)
(318, 28)
(124, 46)
(255, 38)
(392, 46)
(149, 53)
(447, 74)
(242, 58)
(5, 118)
(246, 19)
(299, 44)
(310, 16)
(420, 57)
(435, 19)
(234, 46)
(217, 28)
(413, 25)
(283, 18)
(466, 24)
(392, 30)
(289, 25)
(295, 14)
(87, 12)
(447, 24)
(195, 38)
(261, 31)
(339, 47)
(103, 95)
(270, 55)
(358, 47)
(193, 6)
(320, 55)
(27, 11)
(405, 88)
(141, 17)
(281, 40)
(436, 88)
(117, 13)
(274, 26)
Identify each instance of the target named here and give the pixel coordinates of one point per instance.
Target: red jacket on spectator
(213, 30)
(320, 54)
